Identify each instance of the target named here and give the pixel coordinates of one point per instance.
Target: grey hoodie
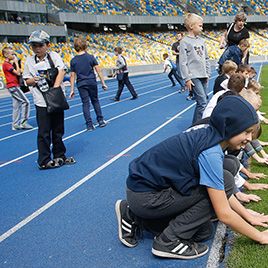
(194, 61)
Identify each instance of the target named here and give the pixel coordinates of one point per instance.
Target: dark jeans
(174, 214)
(50, 129)
(87, 92)
(173, 72)
(122, 83)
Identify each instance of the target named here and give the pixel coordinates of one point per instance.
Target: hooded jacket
(174, 162)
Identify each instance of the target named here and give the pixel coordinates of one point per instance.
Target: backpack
(173, 65)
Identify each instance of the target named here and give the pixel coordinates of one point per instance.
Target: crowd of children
(175, 188)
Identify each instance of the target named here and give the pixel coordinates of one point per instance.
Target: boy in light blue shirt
(177, 186)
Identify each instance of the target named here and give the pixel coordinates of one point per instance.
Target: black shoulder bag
(54, 96)
(120, 74)
(22, 84)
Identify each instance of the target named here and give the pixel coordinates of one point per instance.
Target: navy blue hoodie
(174, 162)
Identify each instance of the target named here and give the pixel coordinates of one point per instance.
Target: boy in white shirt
(50, 125)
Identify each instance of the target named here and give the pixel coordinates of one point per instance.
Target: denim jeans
(178, 71)
(200, 93)
(87, 92)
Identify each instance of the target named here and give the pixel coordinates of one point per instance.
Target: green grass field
(245, 253)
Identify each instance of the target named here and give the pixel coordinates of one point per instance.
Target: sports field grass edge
(245, 252)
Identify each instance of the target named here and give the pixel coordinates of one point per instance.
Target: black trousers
(122, 83)
(176, 215)
(50, 129)
(173, 72)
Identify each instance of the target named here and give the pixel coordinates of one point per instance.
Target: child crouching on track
(179, 184)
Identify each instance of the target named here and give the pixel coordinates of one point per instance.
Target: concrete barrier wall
(22, 6)
(26, 30)
(146, 69)
(123, 19)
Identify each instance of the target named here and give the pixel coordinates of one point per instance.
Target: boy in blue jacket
(179, 184)
(235, 53)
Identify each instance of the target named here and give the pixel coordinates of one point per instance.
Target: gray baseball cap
(39, 36)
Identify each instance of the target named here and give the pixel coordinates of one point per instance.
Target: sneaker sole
(119, 219)
(176, 256)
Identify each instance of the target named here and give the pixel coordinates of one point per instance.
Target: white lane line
(112, 88)
(216, 247)
(26, 131)
(80, 104)
(84, 130)
(79, 114)
(259, 74)
(38, 212)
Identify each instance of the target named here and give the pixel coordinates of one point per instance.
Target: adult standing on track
(176, 51)
(122, 75)
(83, 66)
(236, 32)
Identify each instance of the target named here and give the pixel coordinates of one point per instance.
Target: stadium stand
(258, 7)
(160, 7)
(215, 7)
(140, 48)
(100, 7)
(157, 7)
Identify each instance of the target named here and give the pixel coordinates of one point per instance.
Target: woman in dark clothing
(236, 32)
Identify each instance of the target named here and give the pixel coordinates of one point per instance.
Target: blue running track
(65, 217)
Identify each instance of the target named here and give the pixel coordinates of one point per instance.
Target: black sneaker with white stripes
(127, 228)
(179, 249)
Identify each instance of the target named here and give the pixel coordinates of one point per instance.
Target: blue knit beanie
(233, 115)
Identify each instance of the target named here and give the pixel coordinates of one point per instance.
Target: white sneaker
(25, 125)
(16, 127)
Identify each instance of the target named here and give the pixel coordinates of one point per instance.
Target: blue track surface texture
(65, 217)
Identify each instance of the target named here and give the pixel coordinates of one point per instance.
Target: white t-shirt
(224, 83)
(212, 103)
(167, 63)
(30, 71)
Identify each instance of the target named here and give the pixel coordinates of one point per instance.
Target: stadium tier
(257, 7)
(157, 7)
(169, 7)
(215, 7)
(142, 48)
(28, 23)
(100, 7)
